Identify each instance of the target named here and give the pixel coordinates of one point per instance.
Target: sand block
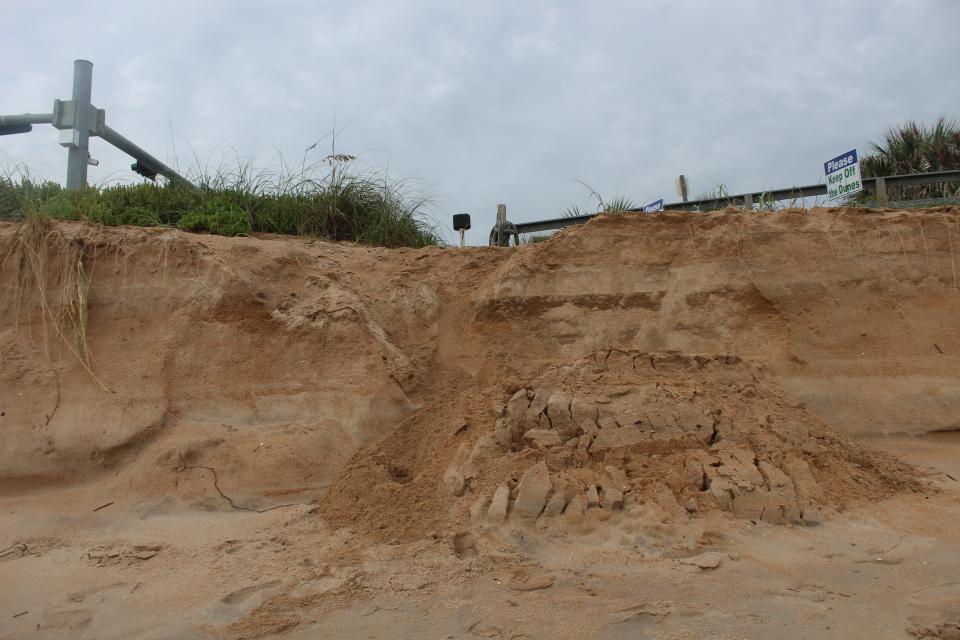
(692, 473)
(584, 415)
(558, 409)
(478, 509)
(615, 478)
(798, 469)
(503, 434)
(454, 482)
(612, 498)
(708, 560)
(607, 438)
(537, 406)
(583, 475)
(692, 418)
(593, 498)
(566, 487)
(497, 513)
(769, 506)
(776, 479)
(542, 438)
(555, 505)
(575, 509)
(736, 463)
(665, 499)
(611, 437)
(532, 492)
(517, 406)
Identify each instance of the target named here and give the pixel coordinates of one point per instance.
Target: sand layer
(643, 381)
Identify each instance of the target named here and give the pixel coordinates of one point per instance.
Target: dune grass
(326, 200)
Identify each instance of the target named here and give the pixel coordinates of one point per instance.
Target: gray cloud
(493, 102)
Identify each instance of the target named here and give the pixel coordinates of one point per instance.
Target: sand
(667, 426)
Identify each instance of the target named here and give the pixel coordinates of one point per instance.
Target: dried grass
(50, 270)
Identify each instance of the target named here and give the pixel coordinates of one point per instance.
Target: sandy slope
(280, 418)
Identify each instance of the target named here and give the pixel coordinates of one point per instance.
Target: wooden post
(881, 191)
(748, 202)
(682, 187)
(498, 228)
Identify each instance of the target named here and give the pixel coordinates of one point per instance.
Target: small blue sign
(841, 161)
(656, 205)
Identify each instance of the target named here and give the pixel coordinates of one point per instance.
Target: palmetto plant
(916, 148)
(613, 205)
(617, 203)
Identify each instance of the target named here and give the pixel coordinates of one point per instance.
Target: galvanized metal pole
(78, 145)
(23, 122)
(144, 158)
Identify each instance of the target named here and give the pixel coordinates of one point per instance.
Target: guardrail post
(682, 187)
(77, 139)
(880, 186)
(499, 226)
(503, 230)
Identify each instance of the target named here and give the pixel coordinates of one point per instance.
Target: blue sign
(656, 205)
(841, 161)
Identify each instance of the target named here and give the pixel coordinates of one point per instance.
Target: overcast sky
(487, 102)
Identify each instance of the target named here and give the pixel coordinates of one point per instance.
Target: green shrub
(323, 200)
(26, 196)
(217, 216)
(148, 204)
(114, 216)
(10, 199)
(62, 206)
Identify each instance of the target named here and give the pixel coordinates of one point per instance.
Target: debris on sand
(708, 560)
(524, 582)
(706, 432)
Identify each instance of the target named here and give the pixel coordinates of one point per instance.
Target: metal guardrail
(78, 120)
(876, 186)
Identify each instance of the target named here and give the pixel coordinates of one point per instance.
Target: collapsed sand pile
(690, 434)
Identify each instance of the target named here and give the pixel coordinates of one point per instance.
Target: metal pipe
(78, 149)
(554, 223)
(144, 158)
(25, 118)
(932, 177)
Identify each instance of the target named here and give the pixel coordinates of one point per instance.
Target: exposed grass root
(50, 269)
